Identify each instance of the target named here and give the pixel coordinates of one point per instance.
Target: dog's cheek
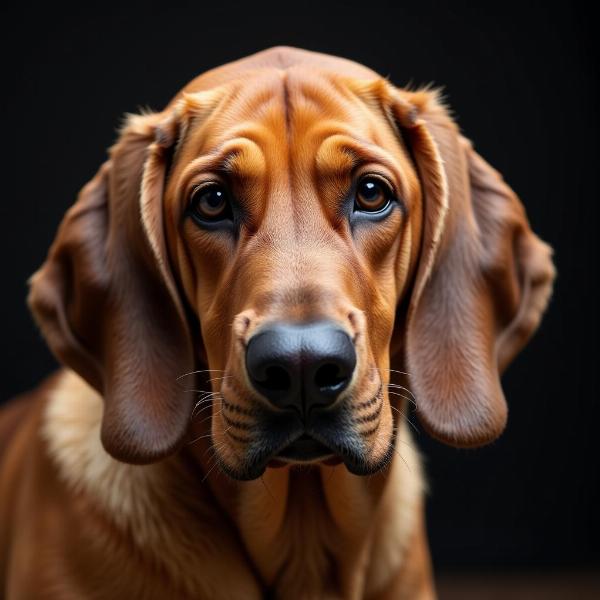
(386, 282)
(381, 441)
(222, 444)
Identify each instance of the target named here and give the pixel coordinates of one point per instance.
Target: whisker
(401, 387)
(217, 449)
(210, 417)
(201, 437)
(207, 435)
(211, 469)
(207, 396)
(390, 370)
(200, 371)
(403, 396)
(208, 404)
(207, 401)
(388, 463)
(405, 417)
(197, 413)
(212, 447)
(205, 393)
(403, 459)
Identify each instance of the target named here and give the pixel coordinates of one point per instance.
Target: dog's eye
(210, 203)
(372, 195)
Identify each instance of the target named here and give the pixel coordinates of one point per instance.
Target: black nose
(300, 366)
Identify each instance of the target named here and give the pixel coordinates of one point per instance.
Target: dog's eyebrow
(335, 156)
(341, 152)
(244, 158)
(240, 156)
(356, 149)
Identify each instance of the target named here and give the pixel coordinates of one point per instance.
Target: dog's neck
(306, 525)
(307, 531)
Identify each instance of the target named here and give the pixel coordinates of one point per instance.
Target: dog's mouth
(281, 439)
(305, 449)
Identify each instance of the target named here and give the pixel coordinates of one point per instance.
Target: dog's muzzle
(301, 369)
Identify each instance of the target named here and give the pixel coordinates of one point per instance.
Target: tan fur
(154, 506)
(145, 503)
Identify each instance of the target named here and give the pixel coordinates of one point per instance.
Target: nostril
(329, 376)
(277, 379)
(300, 365)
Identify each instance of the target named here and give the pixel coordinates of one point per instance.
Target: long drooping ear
(107, 303)
(482, 284)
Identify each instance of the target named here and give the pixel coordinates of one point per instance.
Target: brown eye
(210, 203)
(372, 195)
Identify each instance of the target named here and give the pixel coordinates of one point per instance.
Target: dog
(247, 298)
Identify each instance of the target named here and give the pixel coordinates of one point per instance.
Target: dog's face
(293, 216)
(283, 231)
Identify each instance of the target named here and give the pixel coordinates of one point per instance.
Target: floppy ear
(483, 281)
(107, 304)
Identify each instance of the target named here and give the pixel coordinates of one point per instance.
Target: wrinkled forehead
(292, 122)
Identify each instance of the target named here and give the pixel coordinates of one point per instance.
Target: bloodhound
(246, 299)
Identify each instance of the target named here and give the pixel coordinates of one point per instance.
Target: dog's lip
(304, 449)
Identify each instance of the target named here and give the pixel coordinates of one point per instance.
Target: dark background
(522, 81)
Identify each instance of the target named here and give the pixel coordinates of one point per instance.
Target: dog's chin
(365, 467)
(242, 472)
(348, 453)
(359, 462)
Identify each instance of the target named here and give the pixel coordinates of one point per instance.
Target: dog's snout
(301, 366)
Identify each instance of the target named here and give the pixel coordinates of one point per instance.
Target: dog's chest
(297, 542)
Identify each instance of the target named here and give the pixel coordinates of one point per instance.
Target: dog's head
(281, 228)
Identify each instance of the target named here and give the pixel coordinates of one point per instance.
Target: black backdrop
(522, 82)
